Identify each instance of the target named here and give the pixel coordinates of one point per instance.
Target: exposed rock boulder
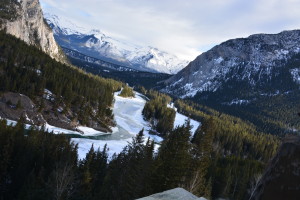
(282, 177)
(174, 194)
(14, 106)
(43, 110)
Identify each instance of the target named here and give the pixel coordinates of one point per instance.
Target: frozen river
(129, 120)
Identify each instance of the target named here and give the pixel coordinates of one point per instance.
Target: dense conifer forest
(40, 165)
(25, 69)
(222, 159)
(158, 113)
(233, 152)
(127, 92)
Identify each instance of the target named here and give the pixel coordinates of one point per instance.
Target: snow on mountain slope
(96, 44)
(63, 25)
(254, 61)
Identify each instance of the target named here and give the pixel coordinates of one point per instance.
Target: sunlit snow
(129, 120)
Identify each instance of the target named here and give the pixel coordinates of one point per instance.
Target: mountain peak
(251, 60)
(67, 26)
(97, 44)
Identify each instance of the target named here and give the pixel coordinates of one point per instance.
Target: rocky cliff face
(25, 21)
(282, 178)
(254, 61)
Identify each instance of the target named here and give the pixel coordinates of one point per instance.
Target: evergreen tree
(203, 141)
(127, 92)
(172, 159)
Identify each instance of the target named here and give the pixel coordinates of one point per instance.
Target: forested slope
(232, 151)
(82, 97)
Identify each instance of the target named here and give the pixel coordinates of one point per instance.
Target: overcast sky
(182, 27)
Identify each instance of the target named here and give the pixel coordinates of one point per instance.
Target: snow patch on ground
(56, 130)
(277, 92)
(237, 102)
(129, 119)
(190, 90)
(295, 75)
(180, 80)
(128, 115)
(87, 131)
(84, 145)
(180, 120)
(218, 60)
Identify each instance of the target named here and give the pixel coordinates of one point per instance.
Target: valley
(108, 70)
(96, 44)
(129, 121)
(88, 114)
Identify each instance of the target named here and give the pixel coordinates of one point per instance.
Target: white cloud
(184, 28)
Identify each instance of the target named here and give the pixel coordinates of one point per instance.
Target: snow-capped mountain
(255, 78)
(252, 62)
(96, 44)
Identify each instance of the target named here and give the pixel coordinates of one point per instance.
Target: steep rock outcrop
(173, 194)
(25, 20)
(282, 177)
(15, 106)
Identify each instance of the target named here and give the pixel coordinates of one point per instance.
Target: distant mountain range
(256, 78)
(255, 61)
(96, 44)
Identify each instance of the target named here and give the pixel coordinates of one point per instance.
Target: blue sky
(182, 27)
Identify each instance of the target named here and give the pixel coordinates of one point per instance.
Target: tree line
(127, 92)
(157, 112)
(39, 165)
(238, 151)
(219, 161)
(27, 70)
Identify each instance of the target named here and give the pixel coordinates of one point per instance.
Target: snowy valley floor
(128, 115)
(129, 119)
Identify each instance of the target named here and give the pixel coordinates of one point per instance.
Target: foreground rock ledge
(174, 194)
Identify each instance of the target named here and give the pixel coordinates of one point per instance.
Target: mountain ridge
(96, 44)
(251, 57)
(251, 78)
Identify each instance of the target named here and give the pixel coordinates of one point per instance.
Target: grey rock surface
(30, 27)
(281, 179)
(173, 194)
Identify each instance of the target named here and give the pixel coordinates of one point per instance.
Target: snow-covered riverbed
(129, 120)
